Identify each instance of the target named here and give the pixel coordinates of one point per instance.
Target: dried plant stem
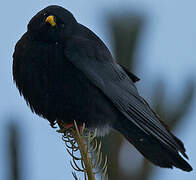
(82, 147)
(84, 153)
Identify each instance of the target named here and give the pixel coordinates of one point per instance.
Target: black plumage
(65, 72)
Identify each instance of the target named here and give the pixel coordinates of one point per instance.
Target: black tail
(151, 147)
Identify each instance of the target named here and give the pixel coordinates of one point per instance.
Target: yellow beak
(50, 19)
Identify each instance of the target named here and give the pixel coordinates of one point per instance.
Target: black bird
(65, 72)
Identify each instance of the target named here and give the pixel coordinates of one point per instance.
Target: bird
(65, 72)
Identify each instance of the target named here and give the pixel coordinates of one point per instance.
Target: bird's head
(51, 24)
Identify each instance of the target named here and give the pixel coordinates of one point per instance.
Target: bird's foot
(64, 127)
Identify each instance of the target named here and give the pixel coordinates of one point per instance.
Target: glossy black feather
(115, 84)
(153, 149)
(67, 73)
(54, 88)
(133, 77)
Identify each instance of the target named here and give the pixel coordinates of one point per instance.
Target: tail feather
(151, 148)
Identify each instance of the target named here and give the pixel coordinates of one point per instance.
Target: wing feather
(95, 61)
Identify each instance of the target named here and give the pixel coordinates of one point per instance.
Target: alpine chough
(66, 73)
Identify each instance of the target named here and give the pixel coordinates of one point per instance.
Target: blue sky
(166, 49)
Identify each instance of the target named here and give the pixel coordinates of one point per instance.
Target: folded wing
(96, 62)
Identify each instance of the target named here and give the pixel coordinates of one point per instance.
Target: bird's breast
(54, 88)
(51, 85)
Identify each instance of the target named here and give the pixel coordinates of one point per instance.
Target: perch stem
(82, 148)
(84, 153)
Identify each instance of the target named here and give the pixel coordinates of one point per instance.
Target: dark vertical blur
(125, 32)
(13, 151)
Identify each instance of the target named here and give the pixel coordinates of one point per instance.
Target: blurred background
(155, 39)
